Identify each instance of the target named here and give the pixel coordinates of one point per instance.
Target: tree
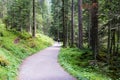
(80, 32)
(18, 14)
(94, 28)
(64, 27)
(34, 24)
(72, 23)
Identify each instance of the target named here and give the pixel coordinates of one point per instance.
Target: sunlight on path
(57, 44)
(44, 66)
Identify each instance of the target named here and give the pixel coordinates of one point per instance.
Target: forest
(89, 31)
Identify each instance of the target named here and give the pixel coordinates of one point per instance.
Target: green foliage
(24, 35)
(18, 14)
(43, 16)
(16, 46)
(77, 63)
(3, 61)
(3, 73)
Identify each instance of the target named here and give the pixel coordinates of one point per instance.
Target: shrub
(3, 62)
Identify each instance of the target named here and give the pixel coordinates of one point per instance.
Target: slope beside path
(43, 66)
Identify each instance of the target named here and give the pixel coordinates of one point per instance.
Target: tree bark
(94, 28)
(118, 39)
(64, 28)
(109, 43)
(89, 27)
(80, 31)
(34, 24)
(72, 24)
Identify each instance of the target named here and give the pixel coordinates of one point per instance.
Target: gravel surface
(43, 66)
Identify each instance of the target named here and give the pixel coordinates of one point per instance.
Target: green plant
(3, 62)
(76, 62)
(12, 53)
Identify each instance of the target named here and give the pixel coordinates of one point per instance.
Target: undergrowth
(78, 64)
(16, 46)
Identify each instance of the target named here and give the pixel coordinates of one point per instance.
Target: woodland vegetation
(89, 30)
(93, 25)
(21, 33)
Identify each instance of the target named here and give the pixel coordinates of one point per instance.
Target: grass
(77, 63)
(16, 46)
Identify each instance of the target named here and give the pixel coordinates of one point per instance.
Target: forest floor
(43, 66)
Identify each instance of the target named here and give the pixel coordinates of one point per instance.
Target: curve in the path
(43, 66)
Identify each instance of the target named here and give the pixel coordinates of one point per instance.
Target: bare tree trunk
(67, 40)
(89, 27)
(94, 28)
(109, 44)
(118, 39)
(72, 25)
(64, 28)
(34, 24)
(63, 23)
(80, 32)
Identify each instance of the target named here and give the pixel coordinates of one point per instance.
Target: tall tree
(80, 31)
(18, 14)
(34, 25)
(64, 27)
(72, 24)
(94, 27)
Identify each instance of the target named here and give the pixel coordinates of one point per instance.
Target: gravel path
(43, 66)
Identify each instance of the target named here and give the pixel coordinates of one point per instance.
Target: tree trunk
(34, 24)
(80, 32)
(94, 28)
(109, 43)
(118, 39)
(72, 24)
(89, 27)
(64, 28)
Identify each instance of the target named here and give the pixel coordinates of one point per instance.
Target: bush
(3, 62)
(24, 35)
